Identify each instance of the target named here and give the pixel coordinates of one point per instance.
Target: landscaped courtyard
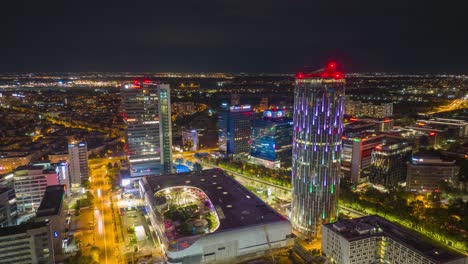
(186, 212)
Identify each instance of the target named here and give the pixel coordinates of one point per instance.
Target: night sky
(233, 36)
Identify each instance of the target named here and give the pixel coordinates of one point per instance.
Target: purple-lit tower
(318, 126)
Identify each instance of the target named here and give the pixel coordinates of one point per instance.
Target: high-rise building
(270, 140)
(389, 162)
(234, 128)
(51, 211)
(30, 183)
(8, 209)
(78, 162)
(372, 239)
(147, 113)
(318, 127)
(357, 152)
(26, 243)
(165, 127)
(425, 173)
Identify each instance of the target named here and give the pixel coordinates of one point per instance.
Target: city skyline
(226, 36)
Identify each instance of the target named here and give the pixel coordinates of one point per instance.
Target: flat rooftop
(30, 167)
(235, 205)
(20, 229)
(51, 201)
(376, 226)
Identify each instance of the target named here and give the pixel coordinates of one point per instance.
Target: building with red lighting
(317, 149)
(357, 152)
(389, 162)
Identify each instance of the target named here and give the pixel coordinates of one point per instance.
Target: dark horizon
(226, 36)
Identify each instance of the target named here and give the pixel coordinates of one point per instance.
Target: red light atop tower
(337, 75)
(135, 82)
(331, 65)
(300, 75)
(432, 134)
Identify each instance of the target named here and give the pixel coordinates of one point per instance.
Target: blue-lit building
(271, 140)
(317, 149)
(234, 128)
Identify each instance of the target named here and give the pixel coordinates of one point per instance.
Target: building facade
(51, 211)
(30, 183)
(357, 152)
(389, 162)
(78, 163)
(234, 128)
(425, 174)
(147, 113)
(8, 208)
(317, 148)
(270, 140)
(361, 109)
(27, 243)
(372, 239)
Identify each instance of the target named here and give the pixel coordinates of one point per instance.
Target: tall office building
(318, 127)
(357, 150)
(270, 140)
(234, 128)
(147, 113)
(78, 159)
(389, 162)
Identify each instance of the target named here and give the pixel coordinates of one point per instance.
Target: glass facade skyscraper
(271, 140)
(147, 113)
(234, 128)
(318, 127)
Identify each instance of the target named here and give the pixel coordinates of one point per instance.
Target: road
(454, 105)
(105, 236)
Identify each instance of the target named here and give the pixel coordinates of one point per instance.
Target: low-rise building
(372, 239)
(11, 160)
(208, 217)
(425, 173)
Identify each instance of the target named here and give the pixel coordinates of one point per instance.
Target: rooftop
(373, 225)
(51, 201)
(29, 167)
(235, 205)
(20, 229)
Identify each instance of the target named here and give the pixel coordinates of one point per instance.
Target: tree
(197, 167)
(79, 258)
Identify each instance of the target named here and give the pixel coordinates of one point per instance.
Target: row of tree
(279, 177)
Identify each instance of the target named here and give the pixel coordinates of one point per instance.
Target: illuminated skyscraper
(234, 128)
(78, 163)
(147, 112)
(317, 131)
